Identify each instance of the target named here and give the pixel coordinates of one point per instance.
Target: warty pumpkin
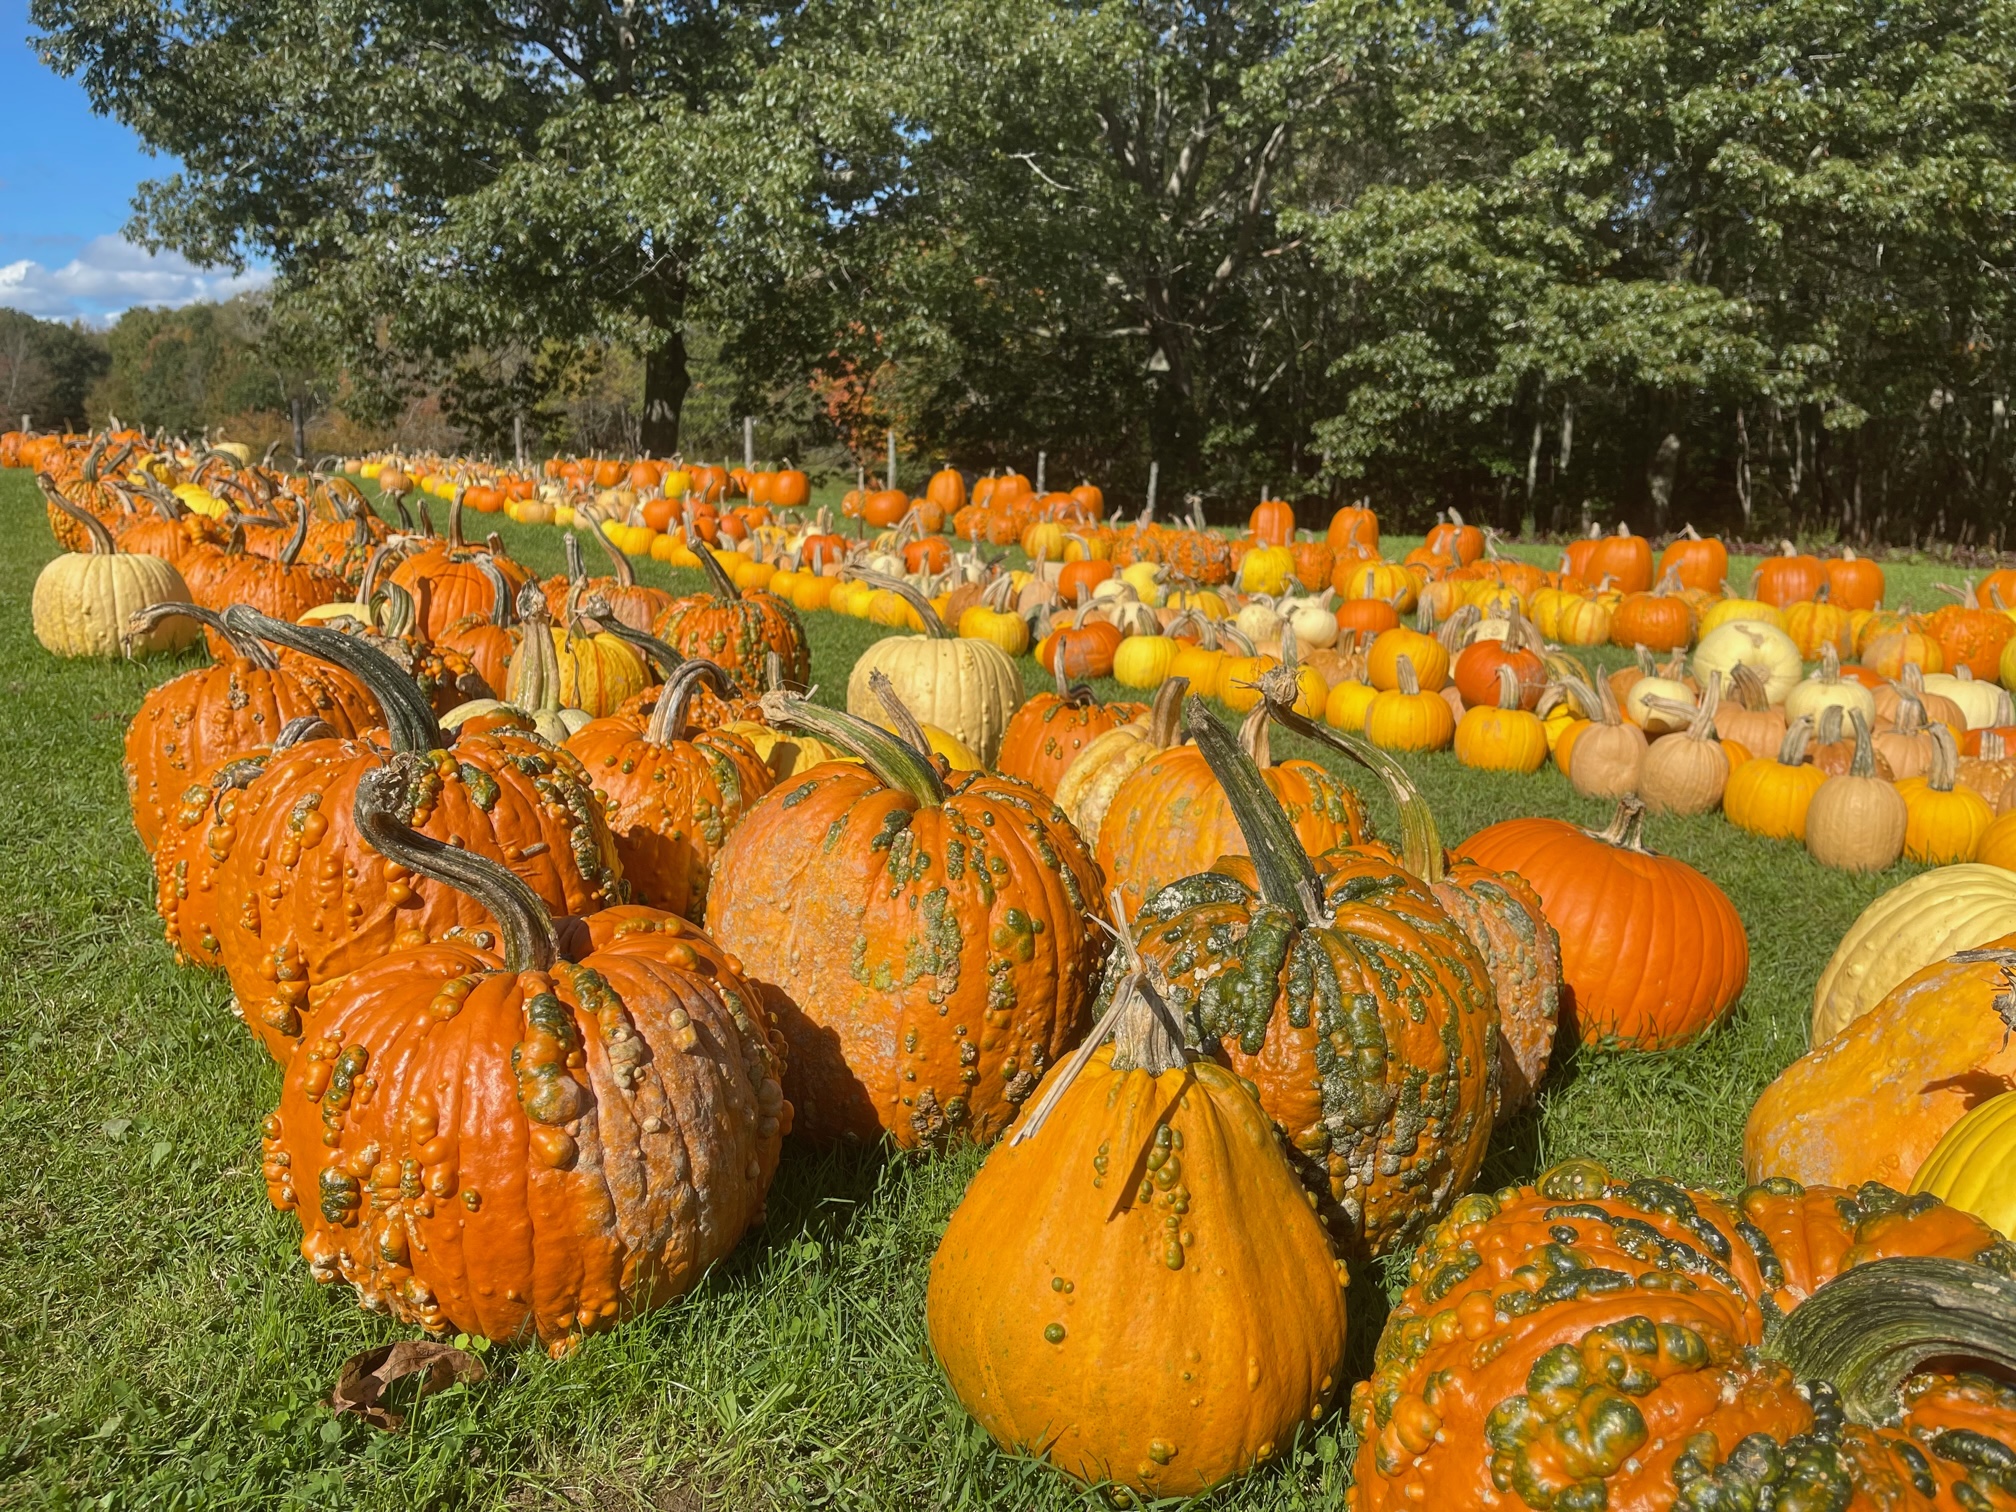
(673, 793)
(1653, 953)
(1856, 820)
(83, 602)
(445, 580)
(1908, 928)
(302, 899)
(1049, 732)
(1348, 996)
(1145, 1194)
(737, 631)
(517, 1137)
(931, 955)
(1086, 789)
(1944, 822)
(968, 688)
(1871, 1102)
(1587, 1342)
(1171, 818)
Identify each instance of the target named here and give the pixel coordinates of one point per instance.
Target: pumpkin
(1658, 618)
(1826, 689)
(1685, 772)
(1475, 670)
(1971, 638)
(487, 641)
(1354, 527)
(506, 1137)
(735, 630)
(1077, 1341)
(446, 581)
(1079, 644)
(930, 957)
(1504, 737)
(1170, 818)
(1095, 774)
(1834, 745)
(1764, 648)
(1752, 1379)
(1814, 623)
(1892, 694)
(84, 602)
(968, 688)
(1624, 558)
(1870, 1103)
(1984, 705)
(1969, 1168)
(1051, 730)
(1386, 995)
(1696, 561)
(1404, 718)
(301, 898)
(1658, 700)
(1652, 952)
(1607, 756)
(194, 723)
(532, 684)
(1943, 821)
(1855, 582)
(1500, 913)
(1787, 577)
(1452, 538)
(992, 620)
(1856, 821)
(599, 669)
(1907, 929)
(673, 794)
(629, 601)
(1745, 714)
(1889, 653)
(1770, 797)
(1426, 656)
(1383, 582)
(185, 865)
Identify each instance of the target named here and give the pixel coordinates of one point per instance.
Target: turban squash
(1652, 952)
(515, 1136)
(301, 899)
(928, 938)
(1166, 1311)
(1351, 1000)
(1589, 1343)
(196, 721)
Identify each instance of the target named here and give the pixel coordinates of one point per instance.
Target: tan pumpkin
(1609, 755)
(1856, 821)
(1746, 715)
(1685, 772)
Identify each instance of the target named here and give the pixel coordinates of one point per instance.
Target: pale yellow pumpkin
(1907, 929)
(83, 601)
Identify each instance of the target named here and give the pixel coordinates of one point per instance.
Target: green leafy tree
(436, 177)
(47, 369)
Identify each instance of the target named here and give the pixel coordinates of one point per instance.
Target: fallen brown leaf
(368, 1376)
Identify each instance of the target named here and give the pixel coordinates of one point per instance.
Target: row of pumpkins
(425, 907)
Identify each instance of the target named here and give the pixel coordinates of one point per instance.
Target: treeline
(1741, 262)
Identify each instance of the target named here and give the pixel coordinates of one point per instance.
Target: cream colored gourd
(1086, 789)
(1755, 644)
(1984, 704)
(1609, 756)
(967, 688)
(1259, 622)
(1685, 772)
(1660, 703)
(1908, 928)
(1856, 821)
(1312, 619)
(83, 600)
(1826, 689)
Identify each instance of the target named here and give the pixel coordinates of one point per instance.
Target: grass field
(162, 1345)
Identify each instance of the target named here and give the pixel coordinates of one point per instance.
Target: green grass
(161, 1343)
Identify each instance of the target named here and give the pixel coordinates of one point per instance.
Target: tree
(46, 370)
(432, 177)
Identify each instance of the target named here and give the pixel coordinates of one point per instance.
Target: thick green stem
(934, 627)
(1871, 1328)
(668, 717)
(245, 647)
(530, 941)
(723, 585)
(409, 719)
(533, 681)
(102, 543)
(619, 564)
(891, 759)
(1287, 877)
(1421, 850)
(657, 652)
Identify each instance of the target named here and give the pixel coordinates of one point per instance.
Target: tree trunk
(666, 381)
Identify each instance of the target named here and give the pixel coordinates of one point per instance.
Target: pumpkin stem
(897, 763)
(409, 720)
(571, 545)
(596, 611)
(102, 543)
(530, 941)
(722, 585)
(668, 718)
(1421, 852)
(1287, 878)
(1627, 825)
(1874, 1326)
(934, 627)
(455, 541)
(1864, 764)
(619, 564)
(532, 682)
(247, 648)
(1944, 769)
(500, 592)
(426, 519)
(291, 552)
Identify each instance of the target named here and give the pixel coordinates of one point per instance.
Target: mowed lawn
(161, 1342)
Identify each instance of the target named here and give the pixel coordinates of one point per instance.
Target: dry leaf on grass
(367, 1377)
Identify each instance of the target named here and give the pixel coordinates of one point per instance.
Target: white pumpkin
(1985, 705)
(1259, 621)
(1828, 689)
(1766, 649)
(83, 601)
(1676, 700)
(1312, 619)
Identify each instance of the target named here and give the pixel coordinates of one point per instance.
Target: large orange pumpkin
(736, 630)
(928, 940)
(523, 1136)
(1652, 952)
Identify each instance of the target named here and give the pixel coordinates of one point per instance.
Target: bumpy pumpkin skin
(671, 806)
(928, 963)
(1170, 819)
(739, 634)
(1140, 1290)
(1585, 1330)
(1047, 734)
(193, 844)
(531, 1154)
(196, 721)
(301, 899)
(1373, 1040)
(1504, 919)
(1871, 1103)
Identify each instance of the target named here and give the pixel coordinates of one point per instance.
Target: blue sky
(66, 182)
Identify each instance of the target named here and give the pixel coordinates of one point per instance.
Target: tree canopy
(1742, 263)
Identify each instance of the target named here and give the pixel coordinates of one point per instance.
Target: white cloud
(111, 275)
